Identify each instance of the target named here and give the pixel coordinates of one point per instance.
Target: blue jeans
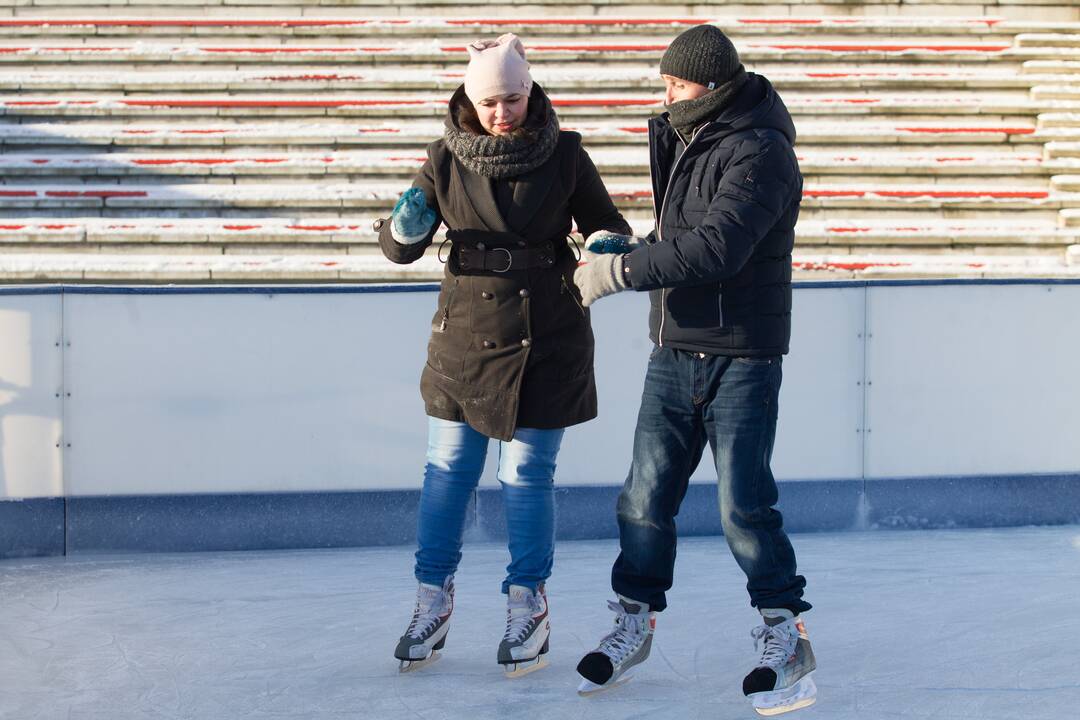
(455, 461)
(690, 398)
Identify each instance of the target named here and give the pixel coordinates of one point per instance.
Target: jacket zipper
(660, 219)
(566, 289)
(446, 308)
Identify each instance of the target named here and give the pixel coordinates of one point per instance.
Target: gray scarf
(686, 116)
(504, 156)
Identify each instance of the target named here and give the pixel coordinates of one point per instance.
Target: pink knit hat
(497, 67)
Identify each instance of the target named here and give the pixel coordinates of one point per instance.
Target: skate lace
(627, 635)
(430, 604)
(519, 616)
(776, 642)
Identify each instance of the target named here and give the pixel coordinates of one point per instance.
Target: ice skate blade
(407, 666)
(524, 667)
(801, 694)
(588, 687)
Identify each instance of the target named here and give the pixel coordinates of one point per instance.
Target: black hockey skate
(622, 649)
(782, 680)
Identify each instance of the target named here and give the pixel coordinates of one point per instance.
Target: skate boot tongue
(632, 606)
(776, 616)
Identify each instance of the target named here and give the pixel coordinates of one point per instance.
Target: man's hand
(598, 276)
(411, 219)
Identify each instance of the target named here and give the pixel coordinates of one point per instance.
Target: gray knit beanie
(702, 55)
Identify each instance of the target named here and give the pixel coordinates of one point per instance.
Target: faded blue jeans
(690, 398)
(455, 460)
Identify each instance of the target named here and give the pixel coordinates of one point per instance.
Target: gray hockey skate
(621, 650)
(782, 680)
(525, 642)
(426, 634)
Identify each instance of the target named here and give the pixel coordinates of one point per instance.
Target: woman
(511, 347)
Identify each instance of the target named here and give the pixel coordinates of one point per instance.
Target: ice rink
(971, 624)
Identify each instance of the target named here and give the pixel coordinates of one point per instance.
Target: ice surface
(961, 624)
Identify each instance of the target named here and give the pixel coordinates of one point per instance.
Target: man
(726, 188)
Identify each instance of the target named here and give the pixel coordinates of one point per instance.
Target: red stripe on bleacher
(1001, 195)
(269, 103)
(845, 265)
(295, 50)
(61, 22)
(580, 21)
(289, 78)
(574, 48)
(886, 48)
(1007, 130)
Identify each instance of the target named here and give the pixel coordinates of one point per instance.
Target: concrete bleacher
(235, 140)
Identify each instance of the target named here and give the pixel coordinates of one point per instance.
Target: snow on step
(668, 25)
(413, 132)
(550, 77)
(379, 162)
(214, 267)
(540, 51)
(1043, 40)
(376, 268)
(428, 105)
(358, 230)
(375, 194)
(1063, 92)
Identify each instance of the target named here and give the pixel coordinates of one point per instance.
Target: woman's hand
(411, 220)
(604, 242)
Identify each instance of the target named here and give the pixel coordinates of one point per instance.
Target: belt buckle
(509, 260)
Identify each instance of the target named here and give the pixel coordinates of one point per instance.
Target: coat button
(486, 295)
(481, 246)
(526, 343)
(488, 345)
(523, 293)
(521, 243)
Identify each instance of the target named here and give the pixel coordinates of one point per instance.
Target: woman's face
(502, 114)
(677, 89)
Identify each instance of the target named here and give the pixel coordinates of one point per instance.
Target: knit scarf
(504, 156)
(686, 116)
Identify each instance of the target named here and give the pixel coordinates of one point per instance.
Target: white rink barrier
(178, 393)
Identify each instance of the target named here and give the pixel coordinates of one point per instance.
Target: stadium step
(737, 27)
(553, 79)
(374, 268)
(941, 133)
(355, 234)
(572, 49)
(430, 105)
(213, 166)
(379, 195)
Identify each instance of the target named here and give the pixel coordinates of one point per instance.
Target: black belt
(498, 252)
(502, 259)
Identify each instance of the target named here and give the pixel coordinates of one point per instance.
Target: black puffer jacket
(719, 263)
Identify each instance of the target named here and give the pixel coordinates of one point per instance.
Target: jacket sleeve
(752, 195)
(590, 203)
(404, 254)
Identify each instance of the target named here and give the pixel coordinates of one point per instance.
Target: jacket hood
(756, 106)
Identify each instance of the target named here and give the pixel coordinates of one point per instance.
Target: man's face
(677, 89)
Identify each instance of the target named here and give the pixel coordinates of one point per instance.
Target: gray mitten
(599, 276)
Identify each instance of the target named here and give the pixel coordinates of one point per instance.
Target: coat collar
(530, 191)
